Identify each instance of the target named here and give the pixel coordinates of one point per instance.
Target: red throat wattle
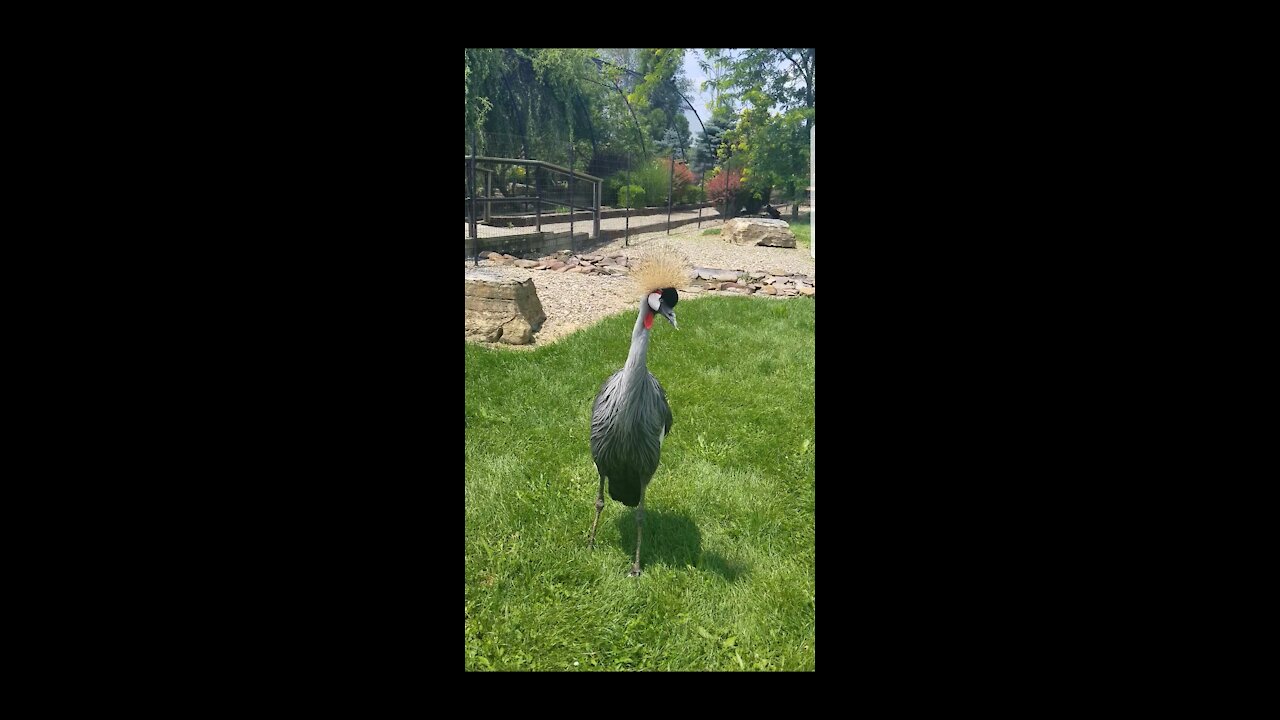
(648, 321)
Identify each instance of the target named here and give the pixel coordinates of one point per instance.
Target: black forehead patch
(670, 297)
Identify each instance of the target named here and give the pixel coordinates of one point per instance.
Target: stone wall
(526, 244)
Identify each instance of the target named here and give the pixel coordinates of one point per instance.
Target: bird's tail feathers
(625, 489)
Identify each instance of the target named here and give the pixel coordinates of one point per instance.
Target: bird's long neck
(635, 369)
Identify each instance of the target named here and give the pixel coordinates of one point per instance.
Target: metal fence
(509, 189)
(576, 177)
(505, 196)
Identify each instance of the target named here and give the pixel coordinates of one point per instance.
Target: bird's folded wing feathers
(666, 409)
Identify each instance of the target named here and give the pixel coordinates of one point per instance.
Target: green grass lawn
(728, 552)
(801, 229)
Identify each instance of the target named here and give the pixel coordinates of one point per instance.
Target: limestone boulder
(500, 310)
(759, 231)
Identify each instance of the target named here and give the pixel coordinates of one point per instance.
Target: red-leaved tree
(682, 178)
(725, 185)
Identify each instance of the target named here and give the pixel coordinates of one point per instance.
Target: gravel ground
(573, 302)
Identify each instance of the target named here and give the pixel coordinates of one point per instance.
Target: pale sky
(697, 97)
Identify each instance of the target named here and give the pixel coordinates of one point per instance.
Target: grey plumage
(625, 425)
(629, 420)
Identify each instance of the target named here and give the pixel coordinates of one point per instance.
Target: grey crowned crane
(631, 417)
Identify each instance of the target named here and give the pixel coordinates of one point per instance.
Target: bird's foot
(635, 571)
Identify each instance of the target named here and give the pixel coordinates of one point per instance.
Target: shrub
(609, 191)
(725, 185)
(680, 179)
(693, 194)
(653, 178)
(628, 193)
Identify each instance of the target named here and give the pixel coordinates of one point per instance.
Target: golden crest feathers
(660, 270)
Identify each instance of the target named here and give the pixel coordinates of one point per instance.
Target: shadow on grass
(673, 540)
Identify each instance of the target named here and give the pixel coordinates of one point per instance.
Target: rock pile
(772, 282)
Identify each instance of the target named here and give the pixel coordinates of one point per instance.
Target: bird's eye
(654, 300)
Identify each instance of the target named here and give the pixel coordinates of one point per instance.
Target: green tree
(776, 89)
(532, 103)
(660, 92)
(707, 146)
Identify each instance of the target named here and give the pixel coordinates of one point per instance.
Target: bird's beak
(670, 315)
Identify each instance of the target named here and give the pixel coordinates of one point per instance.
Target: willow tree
(532, 103)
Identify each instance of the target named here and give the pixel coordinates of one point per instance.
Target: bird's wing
(666, 409)
(598, 417)
(605, 389)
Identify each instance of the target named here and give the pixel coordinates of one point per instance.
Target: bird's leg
(599, 506)
(635, 569)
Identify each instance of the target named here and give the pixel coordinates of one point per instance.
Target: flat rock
(526, 263)
(770, 290)
(807, 291)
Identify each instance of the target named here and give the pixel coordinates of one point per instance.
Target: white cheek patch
(654, 301)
